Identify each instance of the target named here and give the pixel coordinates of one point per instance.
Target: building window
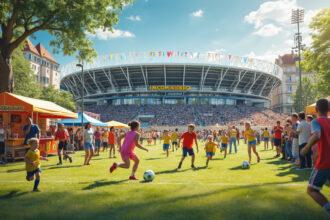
(289, 89)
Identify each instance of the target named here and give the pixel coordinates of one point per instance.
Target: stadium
(167, 87)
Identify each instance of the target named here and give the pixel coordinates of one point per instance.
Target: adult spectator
(278, 129)
(294, 135)
(233, 139)
(30, 131)
(303, 132)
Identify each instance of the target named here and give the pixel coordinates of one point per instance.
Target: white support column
(184, 74)
(144, 77)
(255, 79)
(222, 77)
(127, 77)
(82, 84)
(263, 87)
(204, 77)
(93, 78)
(165, 75)
(240, 77)
(109, 78)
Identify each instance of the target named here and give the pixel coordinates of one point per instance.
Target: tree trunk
(6, 73)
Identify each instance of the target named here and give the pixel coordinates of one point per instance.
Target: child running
(210, 148)
(251, 139)
(127, 149)
(166, 141)
(32, 163)
(187, 145)
(224, 143)
(174, 139)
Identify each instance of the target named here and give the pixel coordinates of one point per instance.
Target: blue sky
(254, 28)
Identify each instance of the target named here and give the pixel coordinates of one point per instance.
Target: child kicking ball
(32, 163)
(210, 148)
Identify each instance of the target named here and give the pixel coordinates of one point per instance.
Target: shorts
(266, 139)
(174, 143)
(252, 143)
(277, 142)
(2, 147)
(30, 174)
(166, 147)
(105, 144)
(88, 146)
(209, 154)
(186, 151)
(318, 178)
(129, 155)
(224, 146)
(97, 144)
(62, 145)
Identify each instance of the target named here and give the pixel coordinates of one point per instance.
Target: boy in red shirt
(278, 138)
(62, 135)
(321, 171)
(187, 145)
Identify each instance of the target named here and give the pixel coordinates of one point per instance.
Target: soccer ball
(245, 165)
(149, 176)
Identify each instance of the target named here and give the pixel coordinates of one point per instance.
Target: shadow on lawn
(155, 158)
(63, 167)
(101, 183)
(12, 194)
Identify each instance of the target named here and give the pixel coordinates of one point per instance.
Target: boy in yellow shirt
(265, 136)
(210, 148)
(174, 137)
(32, 163)
(224, 143)
(250, 135)
(166, 141)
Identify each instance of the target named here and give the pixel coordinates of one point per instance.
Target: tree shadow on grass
(172, 171)
(12, 194)
(155, 158)
(15, 170)
(101, 183)
(63, 167)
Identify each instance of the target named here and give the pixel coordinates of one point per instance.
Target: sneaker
(70, 159)
(132, 178)
(113, 167)
(59, 164)
(36, 190)
(193, 166)
(180, 164)
(258, 159)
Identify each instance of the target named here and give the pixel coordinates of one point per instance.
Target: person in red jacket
(321, 171)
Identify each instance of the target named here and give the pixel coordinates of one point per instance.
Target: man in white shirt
(304, 132)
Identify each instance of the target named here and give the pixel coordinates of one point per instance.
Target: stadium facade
(168, 77)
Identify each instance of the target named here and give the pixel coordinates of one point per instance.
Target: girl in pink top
(127, 149)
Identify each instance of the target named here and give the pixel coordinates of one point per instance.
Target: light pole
(297, 17)
(82, 95)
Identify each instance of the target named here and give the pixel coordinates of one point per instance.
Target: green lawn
(269, 190)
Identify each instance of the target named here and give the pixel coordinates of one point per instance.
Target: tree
(59, 97)
(24, 80)
(317, 58)
(309, 93)
(68, 21)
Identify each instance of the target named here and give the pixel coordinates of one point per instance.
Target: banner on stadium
(169, 88)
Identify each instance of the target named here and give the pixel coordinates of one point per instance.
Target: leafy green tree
(317, 58)
(68, 21)
(308, 92)
(24, 80)
(59, 97)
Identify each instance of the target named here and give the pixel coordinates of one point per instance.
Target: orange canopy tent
(117, 124)
(311, 108)
(44, 109)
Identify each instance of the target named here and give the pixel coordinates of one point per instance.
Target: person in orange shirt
(112, 142)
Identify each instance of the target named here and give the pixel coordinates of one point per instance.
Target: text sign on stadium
(170, 88)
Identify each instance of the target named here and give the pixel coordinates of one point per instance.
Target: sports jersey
(211, 147)
(167, 139)
(174, 136)
(321, 125)
(265, 134)
(32, 156)
(224, 139)
(111, 138)
(233, 133)
(249, 134)
(188, 139)
(278, 132)
(105, 136)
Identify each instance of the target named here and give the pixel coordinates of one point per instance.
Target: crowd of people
(300, 139)
(178, 115)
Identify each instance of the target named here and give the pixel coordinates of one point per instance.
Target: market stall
(74, 122)
(15, 110)
(117, 124)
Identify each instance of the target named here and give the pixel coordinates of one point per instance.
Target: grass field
(268, 190)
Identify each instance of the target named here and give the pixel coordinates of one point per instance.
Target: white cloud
(134, 18)
(221, 50)
(268, 30)
(108, 34)
(198, 14)
(270, 55)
